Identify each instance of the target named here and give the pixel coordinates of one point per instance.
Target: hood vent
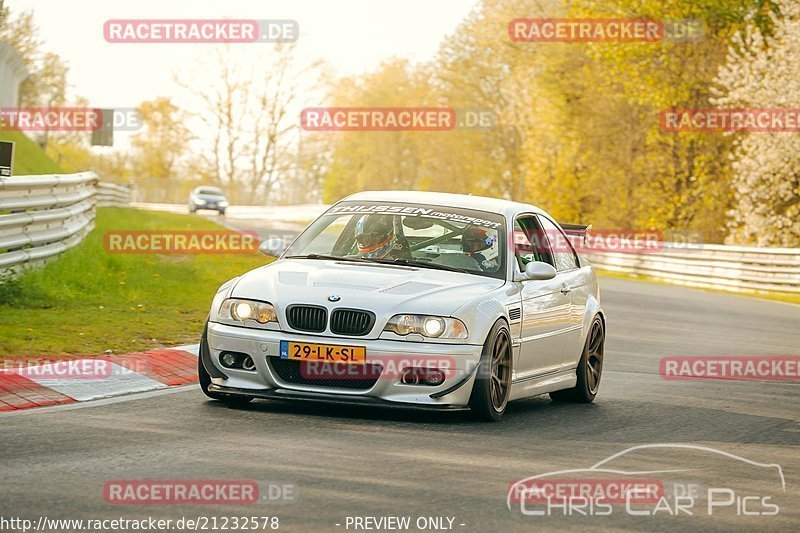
(410, 287)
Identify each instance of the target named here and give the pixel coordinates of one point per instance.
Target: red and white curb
(66, 380)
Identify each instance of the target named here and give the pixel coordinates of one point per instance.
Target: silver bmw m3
(412, 299)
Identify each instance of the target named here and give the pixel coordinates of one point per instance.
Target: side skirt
(534, 386)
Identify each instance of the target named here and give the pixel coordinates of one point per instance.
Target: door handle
(565, 288)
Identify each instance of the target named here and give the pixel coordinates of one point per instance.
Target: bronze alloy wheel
(500, 371)
(590, 368)
(594, 358)
(492, 387)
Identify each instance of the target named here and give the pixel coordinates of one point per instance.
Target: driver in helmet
(474, 240)
(377, 238)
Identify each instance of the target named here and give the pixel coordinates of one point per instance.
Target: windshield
(210, 192)
(427, 236)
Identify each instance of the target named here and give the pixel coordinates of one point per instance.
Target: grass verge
(29, 158)
(89, 301)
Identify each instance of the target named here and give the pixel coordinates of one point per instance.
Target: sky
(352, 36)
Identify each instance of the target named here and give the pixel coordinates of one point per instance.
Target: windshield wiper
(398, 261)
(423, 264)
(329, 257)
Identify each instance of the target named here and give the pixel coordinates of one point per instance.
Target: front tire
(590, 368)
(492, 387)
(205, 378)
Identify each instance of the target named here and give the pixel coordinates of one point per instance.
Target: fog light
(248, 363)
(434, 376)
(228, 360)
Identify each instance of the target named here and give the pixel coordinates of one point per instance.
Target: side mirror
(538, 270)
(273, 247)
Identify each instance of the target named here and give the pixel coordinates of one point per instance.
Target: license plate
(306, 351)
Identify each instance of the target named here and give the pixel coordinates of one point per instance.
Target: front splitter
(288, 395)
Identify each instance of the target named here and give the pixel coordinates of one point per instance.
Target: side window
(563, 252)
(529, 244)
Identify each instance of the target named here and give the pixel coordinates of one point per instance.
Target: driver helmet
(474, 240)
(375, 236)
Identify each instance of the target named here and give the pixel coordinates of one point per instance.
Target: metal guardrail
(111, 194)
(731, 268)
(58, 211)
(42, 216)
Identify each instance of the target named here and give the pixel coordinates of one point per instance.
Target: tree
(314, 157)
(763, 71)
(248, 121)
(160, 148)
(46, 86)
(377, 159)
(578, 129)
(22, 34)
(683, 179)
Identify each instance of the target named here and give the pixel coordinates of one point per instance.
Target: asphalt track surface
(346, 463)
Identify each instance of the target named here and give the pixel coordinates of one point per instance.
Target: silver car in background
(207, 197)
(412, 299)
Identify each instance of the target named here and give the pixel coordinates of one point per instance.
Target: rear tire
(492, 387)
(205, 378)
(590, 368)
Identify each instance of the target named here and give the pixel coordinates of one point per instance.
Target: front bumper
(387, 390)
(344, 399)
(208, 206)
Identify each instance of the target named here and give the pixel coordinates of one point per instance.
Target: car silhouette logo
(334, 298)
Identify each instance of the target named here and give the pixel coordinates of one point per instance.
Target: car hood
(384, 289)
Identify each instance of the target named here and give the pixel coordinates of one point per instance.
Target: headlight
(199, 201)
(222, 203)
(427, 326)
(236, 310)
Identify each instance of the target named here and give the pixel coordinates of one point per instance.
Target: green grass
(88, 301)
(29, 158)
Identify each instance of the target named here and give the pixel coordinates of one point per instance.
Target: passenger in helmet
(473, 241)
(377, 238)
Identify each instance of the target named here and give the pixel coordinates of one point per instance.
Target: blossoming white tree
(763, 71)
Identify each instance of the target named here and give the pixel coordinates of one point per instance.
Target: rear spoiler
(577, 230)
